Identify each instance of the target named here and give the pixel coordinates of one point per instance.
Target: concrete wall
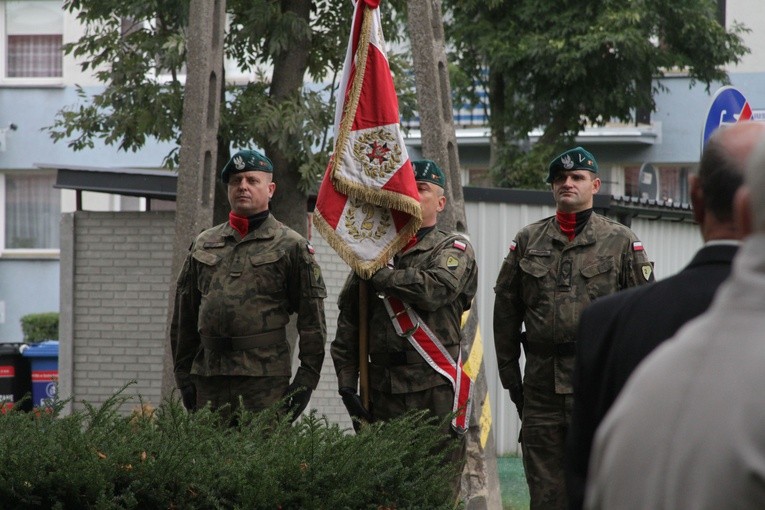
(115, 275)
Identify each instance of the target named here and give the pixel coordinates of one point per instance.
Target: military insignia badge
(310, 249)
(647, 270)
(513, 245)
(567, 162)
(452, 262)
(637, 246)
(460, 245)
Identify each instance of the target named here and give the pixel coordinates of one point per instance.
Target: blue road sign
(728, 107)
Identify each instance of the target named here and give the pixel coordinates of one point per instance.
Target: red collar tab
(238, 223)
(567, 222)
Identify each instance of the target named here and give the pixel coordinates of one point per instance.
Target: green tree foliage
(561, 65)
(137, 50)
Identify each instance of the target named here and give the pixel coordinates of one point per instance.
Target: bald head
(721, 173)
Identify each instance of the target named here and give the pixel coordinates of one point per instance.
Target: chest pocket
(536, 280)
(600, 278)
(269, 271)
(208, 263)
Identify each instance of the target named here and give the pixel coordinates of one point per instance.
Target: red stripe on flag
(400, 181)
(376, 85)
(330, 202)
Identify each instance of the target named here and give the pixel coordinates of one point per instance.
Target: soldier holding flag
(435, 275)
(375, 206)
(398, 337)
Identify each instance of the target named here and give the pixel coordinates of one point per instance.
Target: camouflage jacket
(438, 278)
(234, 287)
(545, 282)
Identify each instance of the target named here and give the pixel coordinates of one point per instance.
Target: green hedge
(169, 458)
(38, 327)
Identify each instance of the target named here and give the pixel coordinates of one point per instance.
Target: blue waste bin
(44, 360)
(15, 377)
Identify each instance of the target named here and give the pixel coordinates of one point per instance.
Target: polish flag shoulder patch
(460, 245)
(513, 245)
(310, 249)
(637, 246)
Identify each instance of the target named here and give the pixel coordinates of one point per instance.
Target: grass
(512, 482)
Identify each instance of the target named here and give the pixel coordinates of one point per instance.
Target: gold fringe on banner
(378, 197)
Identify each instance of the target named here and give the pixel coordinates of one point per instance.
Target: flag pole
(363, 344)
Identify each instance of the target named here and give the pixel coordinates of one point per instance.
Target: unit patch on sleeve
(513, 245)
(637, 246)
(452, 262)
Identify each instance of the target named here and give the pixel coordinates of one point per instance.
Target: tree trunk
(198, 171)
(480, 481)
(286, 84)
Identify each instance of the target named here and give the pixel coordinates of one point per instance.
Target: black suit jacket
(616, 332)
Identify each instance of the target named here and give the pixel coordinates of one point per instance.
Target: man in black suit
(616, 332)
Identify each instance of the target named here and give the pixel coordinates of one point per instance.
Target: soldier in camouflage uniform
(555, 268)
(436, 275)
(238, 287)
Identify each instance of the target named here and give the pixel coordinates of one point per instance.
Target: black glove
(189, 397)
(517, 398)
(297, 399)
(356, 410)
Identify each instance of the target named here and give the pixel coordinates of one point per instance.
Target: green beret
(427, 170)
(244, 161)
(573, 159)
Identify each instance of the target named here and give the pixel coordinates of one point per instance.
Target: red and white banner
(408, 324)
(368, 207)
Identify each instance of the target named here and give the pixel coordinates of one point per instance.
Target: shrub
(168, 458)
(38, 327)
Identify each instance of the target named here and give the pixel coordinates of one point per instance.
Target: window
(32, 211)
(32, 36)
(672, 185)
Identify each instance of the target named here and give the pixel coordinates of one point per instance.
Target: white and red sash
(408, 324)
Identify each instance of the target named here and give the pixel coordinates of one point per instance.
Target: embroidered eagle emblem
(239, 162)
(567, 162)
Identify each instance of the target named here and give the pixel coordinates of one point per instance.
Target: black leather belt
(243, 343)
(393, 359)
(546, 349)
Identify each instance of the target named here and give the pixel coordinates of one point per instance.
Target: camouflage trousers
(222, 393)
(543, 435)
(439, 401)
